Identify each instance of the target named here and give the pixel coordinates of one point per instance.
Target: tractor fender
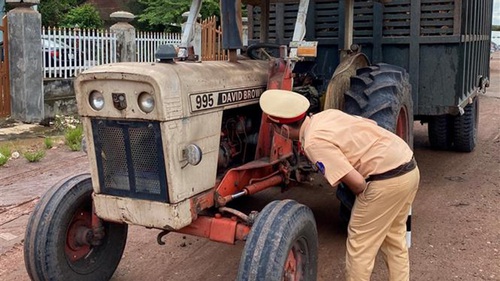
(341, 80)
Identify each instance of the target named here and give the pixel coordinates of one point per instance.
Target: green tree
(496, 28)
(167, 14)
(83, 16)
(54, 10)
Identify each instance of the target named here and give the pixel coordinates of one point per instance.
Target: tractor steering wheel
(263, 51)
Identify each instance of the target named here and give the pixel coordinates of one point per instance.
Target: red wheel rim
(402, 124)
(75, 248)
(293, 264)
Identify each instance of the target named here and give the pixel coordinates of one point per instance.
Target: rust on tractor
(78, 234)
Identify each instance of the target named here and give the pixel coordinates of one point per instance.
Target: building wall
(106, 7)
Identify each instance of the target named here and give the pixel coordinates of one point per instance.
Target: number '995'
(204, 101)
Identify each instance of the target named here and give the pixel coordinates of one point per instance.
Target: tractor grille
(130, 159)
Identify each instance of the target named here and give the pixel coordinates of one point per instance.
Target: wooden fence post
(211, 42)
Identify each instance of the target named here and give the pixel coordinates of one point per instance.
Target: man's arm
(355, 181)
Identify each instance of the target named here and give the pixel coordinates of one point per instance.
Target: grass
(34, 156)
(73, 138)
(4, 155)
(49, 142)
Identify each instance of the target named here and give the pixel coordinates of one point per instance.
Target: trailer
(444, 45)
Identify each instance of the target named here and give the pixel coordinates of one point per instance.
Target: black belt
(399, 171)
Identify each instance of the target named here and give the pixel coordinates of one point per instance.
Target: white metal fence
(147, 44)
(67, 52)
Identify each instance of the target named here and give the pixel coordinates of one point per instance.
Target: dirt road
(456, 216)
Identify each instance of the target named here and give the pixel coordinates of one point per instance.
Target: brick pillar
(125, 36)
(25, 57)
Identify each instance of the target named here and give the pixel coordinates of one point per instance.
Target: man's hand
(355, 181)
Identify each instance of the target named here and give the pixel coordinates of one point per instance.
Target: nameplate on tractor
(210, 100)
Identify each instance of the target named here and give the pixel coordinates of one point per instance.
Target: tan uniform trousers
(378, 221)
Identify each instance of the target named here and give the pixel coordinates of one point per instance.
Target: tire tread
(465, 128)
(266, 246)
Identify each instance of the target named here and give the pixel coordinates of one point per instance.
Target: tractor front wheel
(282, 245)
(60, 243)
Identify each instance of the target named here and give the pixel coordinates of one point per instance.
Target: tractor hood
(178, 89)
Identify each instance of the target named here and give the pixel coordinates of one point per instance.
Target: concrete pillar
(25, 57)
(2, 8)
(196, 42)
(125, 36)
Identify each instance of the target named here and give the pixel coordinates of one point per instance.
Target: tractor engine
(239, 134)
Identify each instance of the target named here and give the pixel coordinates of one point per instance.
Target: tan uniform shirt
(338, 143)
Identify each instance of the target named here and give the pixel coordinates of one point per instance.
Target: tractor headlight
(96, 100)
(146, 102)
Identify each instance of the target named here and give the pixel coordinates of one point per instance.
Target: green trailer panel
(443, 44)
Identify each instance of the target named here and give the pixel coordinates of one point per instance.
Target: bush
(63, 123)
(4, 155)
(34, 156)
(84, 16)
(74, 137)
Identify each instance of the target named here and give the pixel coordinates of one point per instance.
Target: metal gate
(4, 72)
(211, 41)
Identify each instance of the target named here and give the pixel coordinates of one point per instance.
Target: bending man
(374, 163)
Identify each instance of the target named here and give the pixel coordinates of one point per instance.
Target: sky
(496, 12)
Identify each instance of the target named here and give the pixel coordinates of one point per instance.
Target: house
(106, 7)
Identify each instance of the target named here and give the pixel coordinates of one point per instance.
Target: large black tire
(440, 129)
(382, 93)
(465, 128)
(283, 237)
(49, 246)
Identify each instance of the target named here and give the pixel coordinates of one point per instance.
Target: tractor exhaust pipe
(232, 27)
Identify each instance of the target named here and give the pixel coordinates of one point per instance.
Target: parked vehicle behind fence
(59, 54)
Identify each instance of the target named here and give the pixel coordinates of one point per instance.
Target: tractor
(174, 144)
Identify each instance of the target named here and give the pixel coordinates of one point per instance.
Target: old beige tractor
(173, 144)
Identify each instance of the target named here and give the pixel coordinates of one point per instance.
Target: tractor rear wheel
(382, 93)
(60, 243)
(465, 128)
(282, 245)
(341, 80)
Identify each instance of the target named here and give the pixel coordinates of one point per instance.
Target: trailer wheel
(382, 93)
(440, 130)
(465, 128)
(282, 245)
(263, 51)
(59, 242)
